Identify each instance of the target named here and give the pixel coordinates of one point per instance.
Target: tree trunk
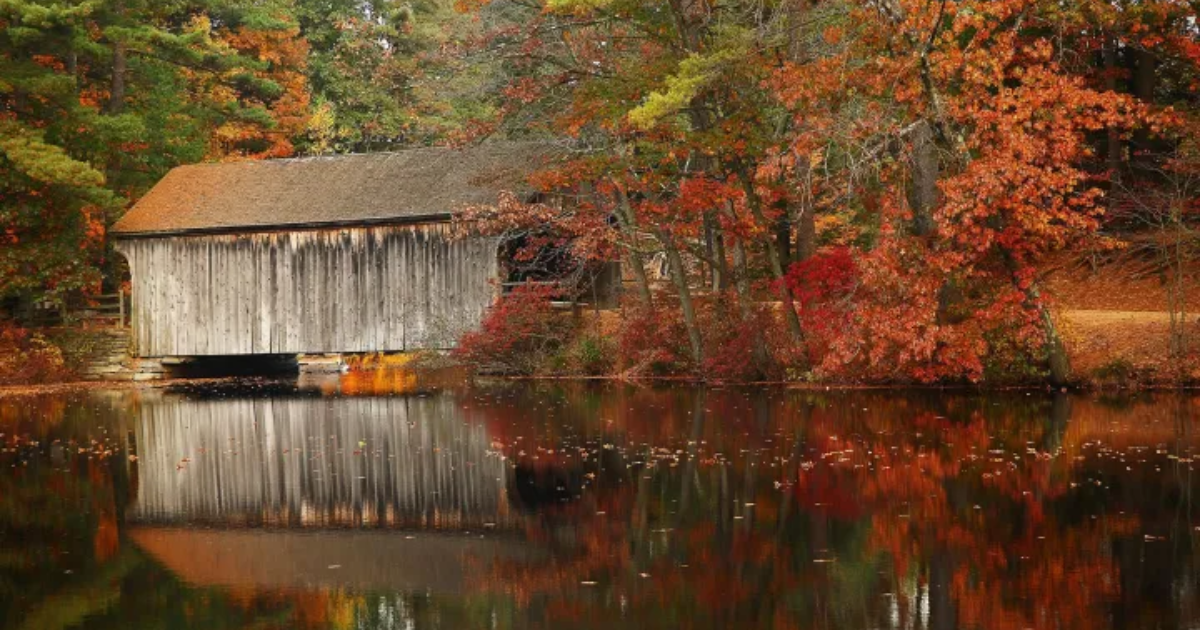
(1143, 75)
(679, 276)
(626, 222)
(116, 99)
(923, 197)
(714, 250)
(785, 293)
(712, 276)
(1113, 150)
(745, 299)
(1060, 366)
(1143, 88)
(783, 239)
(73, 67)
(1056, 352)
(721, 268)
(806, 233)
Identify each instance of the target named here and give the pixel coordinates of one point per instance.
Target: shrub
(823, 286)
(742, 347)
(519, 334)
(592, 356)
(1117, 372)
(1012, 360)
(653, 341)
(27, 358)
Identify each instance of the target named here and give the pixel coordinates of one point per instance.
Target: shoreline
(73, 387)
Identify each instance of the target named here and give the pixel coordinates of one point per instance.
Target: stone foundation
(98, 354)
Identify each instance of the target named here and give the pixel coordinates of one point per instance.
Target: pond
(373, 503)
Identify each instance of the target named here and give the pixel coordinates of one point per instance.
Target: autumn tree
(98, 99)
(669, 114)
(970, 133)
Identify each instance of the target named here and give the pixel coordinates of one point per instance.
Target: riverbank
(390, 381)
(1115, 333)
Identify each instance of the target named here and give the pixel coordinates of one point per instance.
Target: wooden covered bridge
(341, 254)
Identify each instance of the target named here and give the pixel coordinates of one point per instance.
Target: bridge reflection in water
(392, 461)
(315, 480)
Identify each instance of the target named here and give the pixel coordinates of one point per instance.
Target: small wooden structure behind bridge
(342, 254)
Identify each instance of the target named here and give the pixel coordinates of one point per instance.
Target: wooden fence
(110, 309)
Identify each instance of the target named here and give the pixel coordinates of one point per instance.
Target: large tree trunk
(799, 219)
(1056, 351)
(1143, 74)
(1060, 366)
(783, 240)
(923, 198)
(116, 99)
(1144, 79)
(806, 233)
(1113, 150)
(721, 268)
(714, 250)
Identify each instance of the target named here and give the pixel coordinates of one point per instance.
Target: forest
(803, 190)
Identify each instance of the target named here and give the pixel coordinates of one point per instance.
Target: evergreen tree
(381, 76)
(99, 98)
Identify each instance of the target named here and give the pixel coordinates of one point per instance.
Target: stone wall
(97, 354)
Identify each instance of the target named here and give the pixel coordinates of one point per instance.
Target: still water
(343, 504)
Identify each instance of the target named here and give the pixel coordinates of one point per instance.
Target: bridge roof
(441, 563)
(426, 184)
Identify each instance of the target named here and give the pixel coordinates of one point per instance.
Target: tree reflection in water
(593, 506)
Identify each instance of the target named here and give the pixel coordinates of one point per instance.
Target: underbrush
(28, 358)
(738, 345)
(521, 334)
(524, 335)
(1120, 372)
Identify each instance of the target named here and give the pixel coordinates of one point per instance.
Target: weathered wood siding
(367, 289)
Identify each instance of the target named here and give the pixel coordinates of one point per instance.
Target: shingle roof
(407, 185)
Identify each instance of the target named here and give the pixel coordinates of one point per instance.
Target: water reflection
(336, 505)
(359, 462)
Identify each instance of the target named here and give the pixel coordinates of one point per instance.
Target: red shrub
(518, 334)
(740, 347)
(28, 358)
(824, 286)
(654, 341)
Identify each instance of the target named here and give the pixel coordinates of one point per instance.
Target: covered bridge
(316, 255)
